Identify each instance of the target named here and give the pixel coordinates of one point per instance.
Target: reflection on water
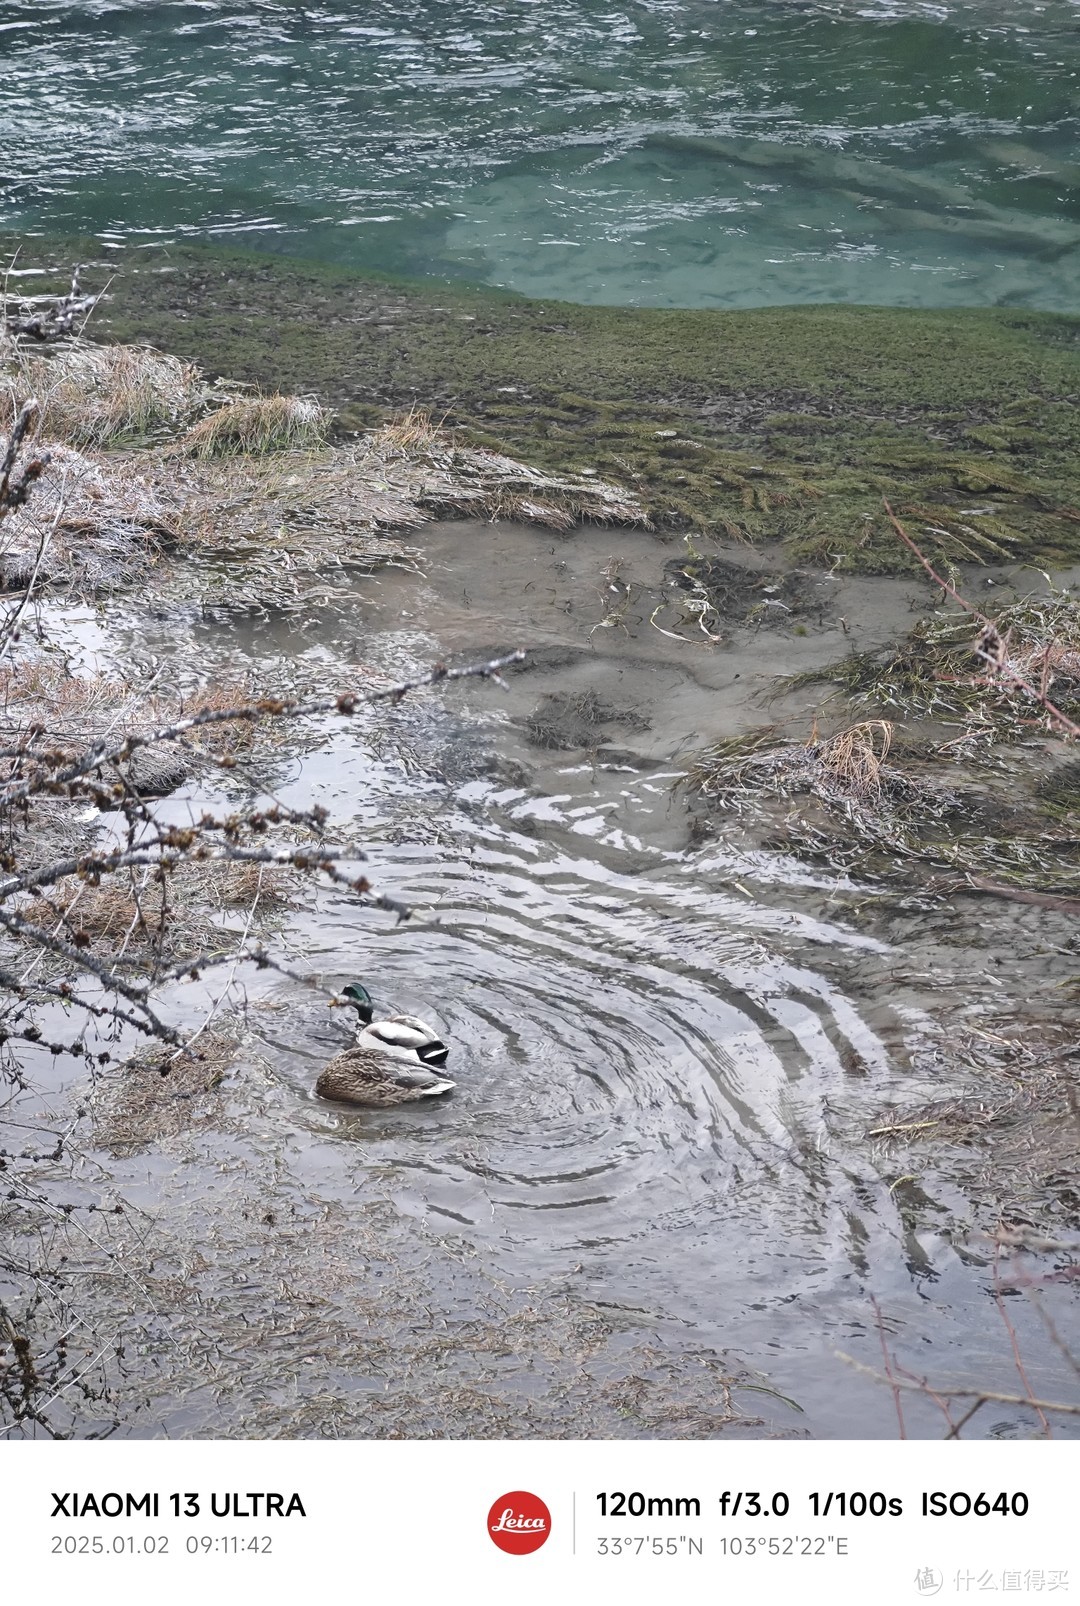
(701, 153)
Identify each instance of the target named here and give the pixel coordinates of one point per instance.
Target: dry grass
(410, 433)
(846, 771)
(46, 711)
(1004, 829)
(42, 689)
(254, 426)
(1053, 663)
(33, 687)
(99, 521)
(158, 1094)
(421, 463)
(68, 712)
(855, 810)
(148, 914)
(187, 910)
(936, 673)
(101, 915)
(247, 886)
(128, 919)
(106, 395)
(282, 531)
(854, 758)
(94, 395)
(230, 736)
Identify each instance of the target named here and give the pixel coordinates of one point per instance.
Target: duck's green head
(360, 998)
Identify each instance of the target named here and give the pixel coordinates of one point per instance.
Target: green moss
(787, 423)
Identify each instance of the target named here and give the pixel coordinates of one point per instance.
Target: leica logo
(519, 1522)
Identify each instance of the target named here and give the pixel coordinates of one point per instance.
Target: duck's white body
(404, 1037)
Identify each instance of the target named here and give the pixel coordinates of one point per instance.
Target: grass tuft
(254, 426)
(409, 432)
(107, 395)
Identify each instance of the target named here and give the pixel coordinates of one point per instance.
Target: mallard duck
(389, 1062)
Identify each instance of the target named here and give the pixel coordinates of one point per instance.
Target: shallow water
(667, 1050)
(717, 153)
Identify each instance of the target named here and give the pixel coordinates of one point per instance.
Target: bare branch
(346, 703)
(9, 629)
(981, 1396)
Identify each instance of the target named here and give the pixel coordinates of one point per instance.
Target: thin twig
(888, 1366)
(346, 703)
(981, 1395)
(11, 624)
(1013, 1341)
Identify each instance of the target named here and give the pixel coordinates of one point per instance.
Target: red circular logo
(519, 1522)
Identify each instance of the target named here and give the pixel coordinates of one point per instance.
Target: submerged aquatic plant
(859, 805)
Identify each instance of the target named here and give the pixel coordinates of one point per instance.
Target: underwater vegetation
(775, 424)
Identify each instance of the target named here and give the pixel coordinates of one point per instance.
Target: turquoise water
(706, 153)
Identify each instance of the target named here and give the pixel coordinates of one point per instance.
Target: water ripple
(629, 1040)
(526, 149)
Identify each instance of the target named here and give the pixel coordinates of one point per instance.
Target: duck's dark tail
(435, 1053)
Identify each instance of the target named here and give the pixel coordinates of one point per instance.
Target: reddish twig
(939, 1399)
(894, 1385)
(1014, 1343)
(980, 1396)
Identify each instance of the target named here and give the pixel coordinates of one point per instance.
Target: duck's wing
(409, 1023)
(422, 1082)
(404, 1035)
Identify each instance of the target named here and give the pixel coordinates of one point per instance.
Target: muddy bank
(782, 424)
